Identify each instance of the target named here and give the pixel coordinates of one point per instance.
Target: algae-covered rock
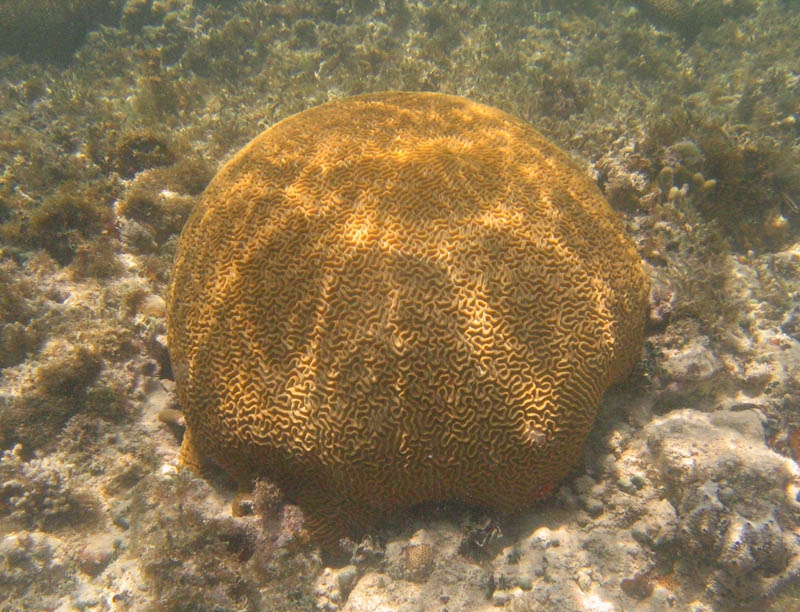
(51, 29)
(31, 559)
(38, 494)
(735, 499)
(689, 16)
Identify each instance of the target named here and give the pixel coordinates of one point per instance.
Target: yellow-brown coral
(396, 298)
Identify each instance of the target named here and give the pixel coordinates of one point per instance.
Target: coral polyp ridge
(399, 298)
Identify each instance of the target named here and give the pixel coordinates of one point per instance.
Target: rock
(96, 554)
(333, 586)
(638, 587)
(658, 526)
(445, 577)
(728, 488)
(584, 579)
(693, 361)
(30, 558)
(346, 578)
(592, 505)
(542, 539)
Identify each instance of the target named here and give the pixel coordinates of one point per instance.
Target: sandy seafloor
(686, 111)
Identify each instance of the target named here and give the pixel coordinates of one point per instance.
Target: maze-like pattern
(397, 298)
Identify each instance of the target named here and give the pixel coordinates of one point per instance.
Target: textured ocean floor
(686, 112)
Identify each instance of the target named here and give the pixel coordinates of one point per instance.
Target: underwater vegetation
(60, 390)
(51, 29)
(686, 114)
(748, 190)
(196, 562)
(38, 494)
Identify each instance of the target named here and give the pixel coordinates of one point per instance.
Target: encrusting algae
(397, 298)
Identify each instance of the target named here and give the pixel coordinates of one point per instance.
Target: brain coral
(688, 16)
(397, 298)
